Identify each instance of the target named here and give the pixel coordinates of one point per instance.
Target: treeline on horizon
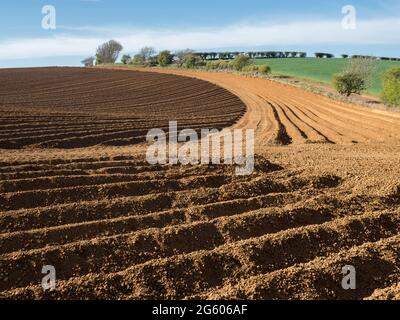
(111, 50)
(280, 54)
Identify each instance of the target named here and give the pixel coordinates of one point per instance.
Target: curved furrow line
(206, 202)
(298, 136)
(61, 181)
(144, 98)
(340, 126)
(289, 283)
(89, 164)
(389, 293)
(230, 262)
(354, 122)
(302, 120)
(232, 228)
(316, 130)
(282, 137)
(41, 198)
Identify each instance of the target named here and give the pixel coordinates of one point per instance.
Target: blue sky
(307, 25)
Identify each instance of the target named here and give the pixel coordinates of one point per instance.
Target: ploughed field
(73, 108)
(325, 193)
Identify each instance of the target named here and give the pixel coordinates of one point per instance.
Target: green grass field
(322, 70)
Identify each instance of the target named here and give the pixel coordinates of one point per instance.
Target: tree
(364, 67)
(349, 83)
(145, 57)
(180, 56)
(240, 62)
(108, 52)
(147, 52)
(356, 75)
(345, 56)
(391, 87)
(164, 58)
(88, 62)
(126, 59)
(138, 60)
(98, 60)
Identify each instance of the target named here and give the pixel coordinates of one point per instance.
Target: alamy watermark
(232, 147)
(349, 21)
(349, 281)
(49, 280)
(49, 20)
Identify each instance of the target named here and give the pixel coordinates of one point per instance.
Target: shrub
(138, 60)
(151, 62)
(240, 62)
(364, 67)
(192, 61)
(213, 65)
(164, 58)
(348, 83)
(145, 57)
(210, 65)
(88, 62)
(391, 87)
(264, 69)
(223, 65)
(250, 68)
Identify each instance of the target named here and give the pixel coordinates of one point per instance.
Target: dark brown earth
(74, 108)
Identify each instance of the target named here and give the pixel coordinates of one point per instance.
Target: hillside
(322, 70)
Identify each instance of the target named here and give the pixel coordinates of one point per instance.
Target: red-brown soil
(325, 194)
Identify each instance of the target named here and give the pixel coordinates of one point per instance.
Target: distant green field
(322, 70)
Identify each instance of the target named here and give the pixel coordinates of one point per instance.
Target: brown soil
(327, 90)
(325, 193)
(73, 107)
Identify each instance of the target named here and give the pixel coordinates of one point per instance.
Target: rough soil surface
(75, 108)
(325, 194)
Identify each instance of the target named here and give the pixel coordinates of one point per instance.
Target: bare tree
(108, 52)
(147, 52)
(88, 62)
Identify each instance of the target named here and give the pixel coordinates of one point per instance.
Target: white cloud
(330, 32)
